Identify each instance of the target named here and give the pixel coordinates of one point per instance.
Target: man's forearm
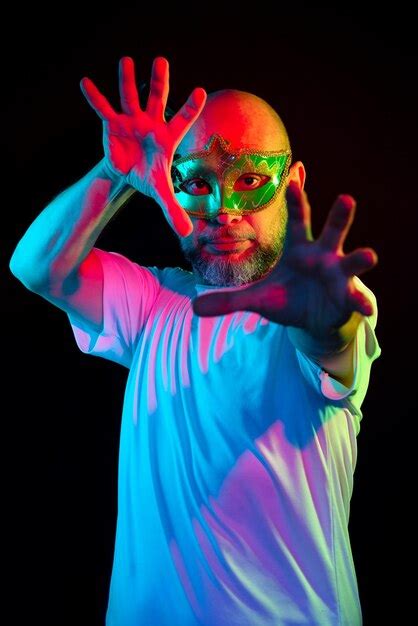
(65, 232)
(334, 351)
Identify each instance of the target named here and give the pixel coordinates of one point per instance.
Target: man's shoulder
(165, 274)
(120, 269)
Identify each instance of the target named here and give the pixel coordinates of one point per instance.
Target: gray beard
(220, 272)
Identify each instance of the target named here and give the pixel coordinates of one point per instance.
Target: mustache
(226, 233)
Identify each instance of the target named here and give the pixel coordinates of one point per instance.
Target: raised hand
(312, 286)
(139, 144)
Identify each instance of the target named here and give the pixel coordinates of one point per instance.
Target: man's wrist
(332, 342)
(108, 172)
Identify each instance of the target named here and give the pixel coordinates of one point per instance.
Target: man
(242, 405)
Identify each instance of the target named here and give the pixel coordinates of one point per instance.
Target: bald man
(246, 375)
(257, 235)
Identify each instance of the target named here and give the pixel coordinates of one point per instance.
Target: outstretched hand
(139, 144)
(312, 286)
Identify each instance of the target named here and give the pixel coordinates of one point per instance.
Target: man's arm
(312, 290)
(335, 353)
(55, 257)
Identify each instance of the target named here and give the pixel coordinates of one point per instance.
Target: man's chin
(233, 268)
(228, 270)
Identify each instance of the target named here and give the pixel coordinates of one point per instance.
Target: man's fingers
(358, 261)
(127, 86)
(187, 115)
(222, 303)
(158, 94)
(96, 100)
(338, 224)
(299, 215)
(174, 213)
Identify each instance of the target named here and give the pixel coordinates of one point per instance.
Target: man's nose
(227, 218)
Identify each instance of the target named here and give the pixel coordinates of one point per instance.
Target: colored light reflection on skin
(218, 179)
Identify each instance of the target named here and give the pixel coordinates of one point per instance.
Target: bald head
(241, 118)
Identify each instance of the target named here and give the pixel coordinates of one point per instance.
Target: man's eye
(196, 187)
(248, 182)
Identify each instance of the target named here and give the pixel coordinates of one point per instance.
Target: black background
(344, 84)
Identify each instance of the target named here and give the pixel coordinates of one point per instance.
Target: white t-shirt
(236, 464)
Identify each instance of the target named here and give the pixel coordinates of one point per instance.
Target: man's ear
(297, 174)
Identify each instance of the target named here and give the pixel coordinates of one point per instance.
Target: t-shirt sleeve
(129, 292)
(366, 350)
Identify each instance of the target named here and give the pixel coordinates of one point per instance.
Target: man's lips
(228, 244)
(227, 240)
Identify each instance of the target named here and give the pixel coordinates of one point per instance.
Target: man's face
(232, 246)
(232, 250)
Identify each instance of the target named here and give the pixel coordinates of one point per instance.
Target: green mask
(218, 180)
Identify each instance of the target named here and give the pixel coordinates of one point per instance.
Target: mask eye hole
(196, 187)
(250, 181)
